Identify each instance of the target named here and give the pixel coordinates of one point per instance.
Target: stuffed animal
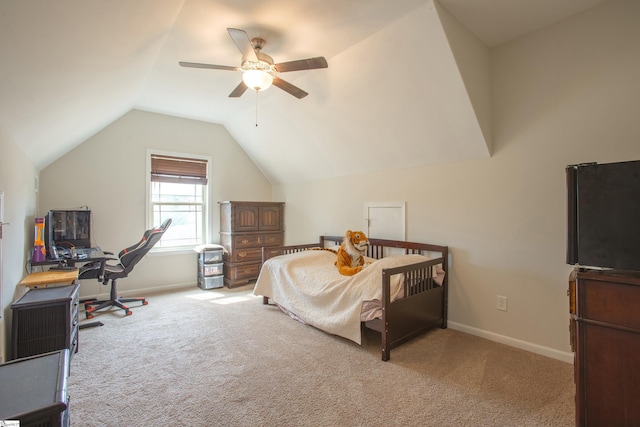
(351, 253)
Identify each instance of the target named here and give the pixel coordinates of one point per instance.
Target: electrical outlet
(501, 303)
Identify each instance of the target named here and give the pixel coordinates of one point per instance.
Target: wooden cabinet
(45, 320)
(246, 227)
(605, 331)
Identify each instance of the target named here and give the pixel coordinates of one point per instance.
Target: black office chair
(128, 258)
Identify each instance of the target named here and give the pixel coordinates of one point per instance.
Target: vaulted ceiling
(407, 82)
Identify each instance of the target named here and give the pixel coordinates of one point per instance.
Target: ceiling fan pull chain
(257, 107)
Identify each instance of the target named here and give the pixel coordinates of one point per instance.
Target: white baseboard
(142, 292)
(523, 345)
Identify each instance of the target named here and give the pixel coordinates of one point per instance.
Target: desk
(41, 279)
(44, 278)
(94, 254)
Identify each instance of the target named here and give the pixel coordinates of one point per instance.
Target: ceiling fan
(258, 69)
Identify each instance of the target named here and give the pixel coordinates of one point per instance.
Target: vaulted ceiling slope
(407, 83)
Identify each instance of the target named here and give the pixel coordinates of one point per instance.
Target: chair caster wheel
(89, 316)
(145, 302)
(129, 312)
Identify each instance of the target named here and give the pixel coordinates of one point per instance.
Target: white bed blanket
(309, 285)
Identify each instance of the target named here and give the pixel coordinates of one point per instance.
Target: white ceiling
(69, 68)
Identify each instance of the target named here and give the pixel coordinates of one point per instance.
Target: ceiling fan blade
(289, 88)
(241, 39)
(211, 66)
(239, 90)
(302, 64)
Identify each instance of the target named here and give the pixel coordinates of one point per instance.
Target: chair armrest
(103, 264)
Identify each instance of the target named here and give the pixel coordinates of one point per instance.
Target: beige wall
(567, 94)
(17, 182)
(107, 174)
(563, 95)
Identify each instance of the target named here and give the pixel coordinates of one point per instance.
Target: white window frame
(206, 210)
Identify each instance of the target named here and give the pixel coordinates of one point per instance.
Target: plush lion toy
(351, 253)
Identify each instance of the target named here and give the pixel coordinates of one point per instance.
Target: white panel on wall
(385, 220)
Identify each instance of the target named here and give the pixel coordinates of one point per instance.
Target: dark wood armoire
(245, 228)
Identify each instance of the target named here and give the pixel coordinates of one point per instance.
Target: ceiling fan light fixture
(257, 80)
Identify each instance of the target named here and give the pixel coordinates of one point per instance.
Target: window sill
(172, 251)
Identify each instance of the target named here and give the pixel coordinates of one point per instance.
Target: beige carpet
(220, 357)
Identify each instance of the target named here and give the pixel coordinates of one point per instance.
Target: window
(178, 190)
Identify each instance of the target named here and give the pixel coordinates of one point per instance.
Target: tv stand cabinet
(605, 334)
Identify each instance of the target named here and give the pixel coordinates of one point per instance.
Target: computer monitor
(68, 229)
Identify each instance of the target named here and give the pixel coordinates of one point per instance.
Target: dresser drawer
(247, 241)
(615, 303)
(273, 239)
(257, 240)
(241, 271)
(245, 255)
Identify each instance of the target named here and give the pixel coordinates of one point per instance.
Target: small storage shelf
(210, 268)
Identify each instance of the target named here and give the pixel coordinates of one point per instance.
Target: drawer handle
(248, 270)
(245, 241)
(259, 240)
(242, 254)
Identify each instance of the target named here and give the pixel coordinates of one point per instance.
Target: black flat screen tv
(68, 229)
(603, 206)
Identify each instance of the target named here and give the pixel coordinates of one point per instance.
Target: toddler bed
(400, 294)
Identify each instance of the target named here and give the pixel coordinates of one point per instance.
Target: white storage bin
(210, 282)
